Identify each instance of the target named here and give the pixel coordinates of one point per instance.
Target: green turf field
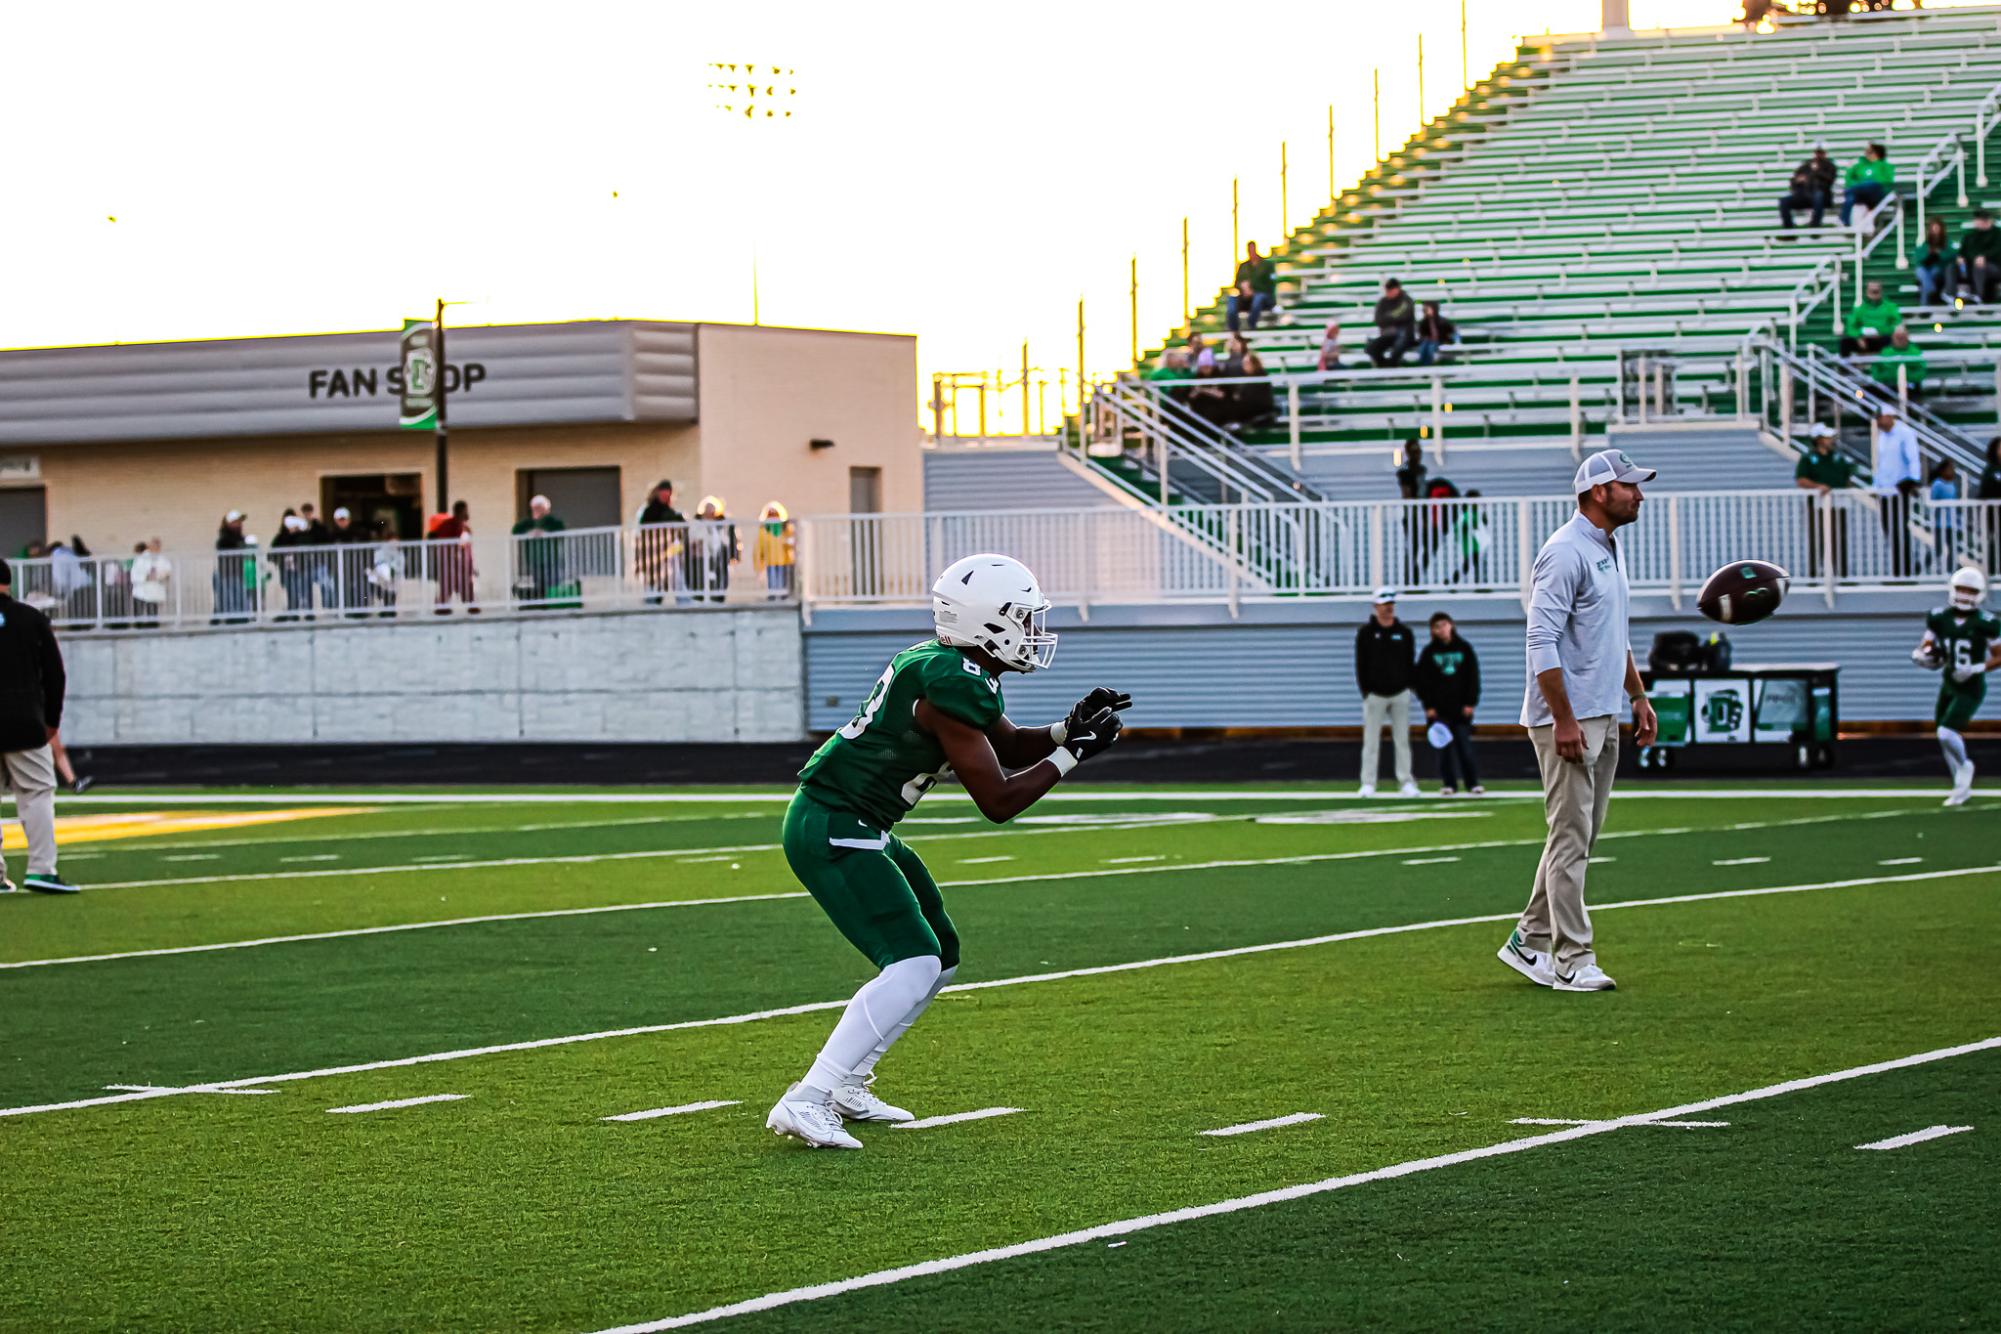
(1802, 970)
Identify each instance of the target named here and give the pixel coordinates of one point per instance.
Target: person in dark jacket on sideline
(1384, 650)
(31, 712)
(1447, 681)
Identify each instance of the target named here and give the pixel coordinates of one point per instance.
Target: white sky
(964, 172)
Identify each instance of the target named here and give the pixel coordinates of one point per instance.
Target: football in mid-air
(1744, 591)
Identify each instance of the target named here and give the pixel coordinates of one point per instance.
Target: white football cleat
(1366, 790)
(1529, 963)
(1962, 785)
(1409, 790)
(806, 1118)
(1589, 977)
(856, 1101)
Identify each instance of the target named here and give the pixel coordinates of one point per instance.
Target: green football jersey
(882, 763)
(1966, 639)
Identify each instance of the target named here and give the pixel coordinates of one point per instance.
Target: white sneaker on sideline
(1479, 791)
(1532, 964)
(1366, 790)
(806, 1118)
(1962, 785)
(856, 1101)
(1409, 790)
(1589, 977)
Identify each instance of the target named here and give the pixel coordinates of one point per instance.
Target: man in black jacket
(1396, 327)
(1448, 685)
(31, 709)
(1383, 655)
(659, 550)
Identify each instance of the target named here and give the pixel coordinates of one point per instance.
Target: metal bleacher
(1599, 198)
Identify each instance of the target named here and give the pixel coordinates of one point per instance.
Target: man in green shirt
(935, 711)
(1256, 287)
(538, 555)
(1872, 321)
(1869, 181)
(1822, 471)
(1903, 355)
(1980, 256)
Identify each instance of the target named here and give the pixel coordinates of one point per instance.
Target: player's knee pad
(1947, 735)
(908, 981)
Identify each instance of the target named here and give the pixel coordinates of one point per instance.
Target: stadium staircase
(1600, 200)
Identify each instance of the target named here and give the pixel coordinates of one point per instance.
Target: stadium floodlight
(754, 93)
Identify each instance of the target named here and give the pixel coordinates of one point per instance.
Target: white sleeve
(1551, 596)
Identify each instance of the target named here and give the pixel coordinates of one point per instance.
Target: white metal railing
(1844, 541)
(699, 563)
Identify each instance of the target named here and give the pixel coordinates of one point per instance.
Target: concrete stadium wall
(681, 675)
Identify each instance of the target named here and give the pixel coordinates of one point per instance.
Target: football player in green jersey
(936, 710)
(1963, 642)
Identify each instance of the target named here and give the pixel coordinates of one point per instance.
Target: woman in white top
(151, 575)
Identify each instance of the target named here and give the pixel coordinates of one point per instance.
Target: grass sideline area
(1811, 965)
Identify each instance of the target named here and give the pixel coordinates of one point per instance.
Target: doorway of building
(865, 497)
(24, 518)
(580, 497)
(379, 502)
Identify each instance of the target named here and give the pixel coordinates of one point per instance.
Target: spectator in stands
(1330, 347)
(1434, 331)
(777, 551)
(385, 571)
(1234, 353)
(152, 575)
(1945, 520)
(1812, 187)
(1822, 471)
(1447, 681)
(661, 538)
(1871, 323)
(1980, 257)
(1384, 657)
(1256, 287)
(1252, 403)
(1473, 536)
(539, 554)
(1396, 327)
(452, 552)
(230, 580)
(1934, 265)
(1896, 477)
(1900, 355)
(350, 558)
(292, 571)
(1200, 354)
(73, 580)
(1869, 181)
(713, 548)
(1410, 477)
(1172, 374)
(319, 562)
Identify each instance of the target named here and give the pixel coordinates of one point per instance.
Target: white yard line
(342, 933)
(1740, 861)
(684, 1108)
(1900, 861)
(1915, 1137)
(1575, 1121)
(195, 857)
(925, 1123)
(1133, 861)
(313, 857)
(1125, 1227)
(1429, 861)
(1097, 970)
(394, 1103)
(1251, 1127)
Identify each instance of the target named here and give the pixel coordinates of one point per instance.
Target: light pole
(757, 94)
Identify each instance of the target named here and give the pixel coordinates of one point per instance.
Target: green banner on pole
(418, 405)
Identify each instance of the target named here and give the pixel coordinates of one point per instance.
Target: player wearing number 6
(936, 710)
(1963, 642)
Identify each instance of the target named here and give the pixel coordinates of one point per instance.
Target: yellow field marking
(148, 824)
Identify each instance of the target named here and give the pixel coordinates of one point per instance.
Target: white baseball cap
(1384, 594)
(340, 512)
(1819, 429)
(1608, 465)
(234, 516)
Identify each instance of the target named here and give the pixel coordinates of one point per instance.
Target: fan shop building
(120, 444)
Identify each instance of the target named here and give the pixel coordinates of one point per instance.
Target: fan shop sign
(334, 382)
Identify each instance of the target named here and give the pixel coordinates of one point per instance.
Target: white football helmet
(1967, 588)
(993, 603)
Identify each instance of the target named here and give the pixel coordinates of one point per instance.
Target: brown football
(1744, 591)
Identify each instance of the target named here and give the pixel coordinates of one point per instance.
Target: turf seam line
(488, 918)
(1095, 970)
(1125, 1227)
(1915, 1137)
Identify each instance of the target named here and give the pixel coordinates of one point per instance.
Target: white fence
(1235, 553)
(591, 568)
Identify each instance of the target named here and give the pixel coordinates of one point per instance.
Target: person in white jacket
(152, 576)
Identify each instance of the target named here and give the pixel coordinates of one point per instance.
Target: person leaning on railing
(350, 556)
(1980, 257)
(776, 551)
(235, 570)
(657, 546)
(1869, 180)
(1822, 471)
(1870, 324)
(538, 552)
(152, 574)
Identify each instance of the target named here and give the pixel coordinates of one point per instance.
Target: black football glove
(1104, 697)
(1089, 736)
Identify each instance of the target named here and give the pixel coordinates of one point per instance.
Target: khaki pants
(1377, 710)
(1574, 800)
(32, 776)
